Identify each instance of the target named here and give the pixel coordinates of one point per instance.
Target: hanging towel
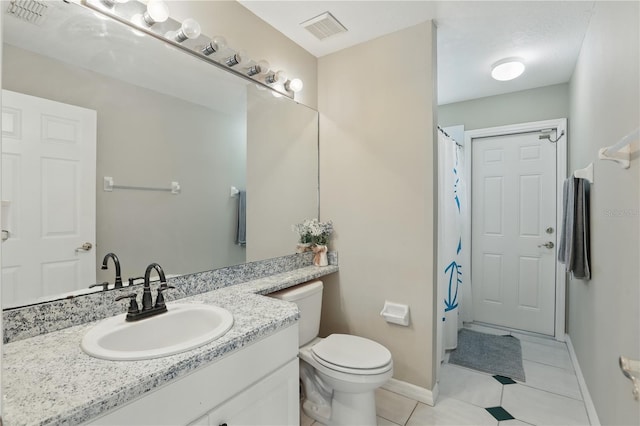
(566, 236)
(573, 249)
(581, 250)
(241, 234)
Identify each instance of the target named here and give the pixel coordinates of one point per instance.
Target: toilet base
(353, 409)
(347, 409)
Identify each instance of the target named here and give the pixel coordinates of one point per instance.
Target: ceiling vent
(323, 26)
(28, 10)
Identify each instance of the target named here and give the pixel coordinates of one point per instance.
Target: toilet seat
(352, 355)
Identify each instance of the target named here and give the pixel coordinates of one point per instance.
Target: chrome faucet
(148, 308)
(116, 261)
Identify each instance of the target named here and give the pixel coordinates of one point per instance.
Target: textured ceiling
(471, 36)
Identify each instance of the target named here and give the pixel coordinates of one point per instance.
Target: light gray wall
(539, 104)
(149, 139)
(604, 319)
(378, 171)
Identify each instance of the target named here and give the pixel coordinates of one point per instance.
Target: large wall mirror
(116, 139)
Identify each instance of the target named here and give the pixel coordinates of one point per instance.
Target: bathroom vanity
(247, 376)
(258, 385)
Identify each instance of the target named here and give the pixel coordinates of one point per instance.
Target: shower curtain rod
(447, 135)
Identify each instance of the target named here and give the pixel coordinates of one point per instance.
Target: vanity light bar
(153, 19)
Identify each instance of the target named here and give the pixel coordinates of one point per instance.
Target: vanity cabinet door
(274, 400)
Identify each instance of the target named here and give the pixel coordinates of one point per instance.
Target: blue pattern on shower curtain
(452, 241)
(454, 269)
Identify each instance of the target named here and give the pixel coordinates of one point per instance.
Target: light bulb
(216, 43)
(157, 11)
(189, 29)
(262, 67)
(277, 77)
(239, 58)
(294, 85)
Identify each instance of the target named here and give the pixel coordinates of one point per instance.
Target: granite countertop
(48, 379)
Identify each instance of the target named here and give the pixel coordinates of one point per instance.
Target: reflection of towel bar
(110, 186)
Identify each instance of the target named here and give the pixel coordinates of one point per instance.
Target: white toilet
(339, 373)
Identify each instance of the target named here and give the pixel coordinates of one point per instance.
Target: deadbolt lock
(549, 230)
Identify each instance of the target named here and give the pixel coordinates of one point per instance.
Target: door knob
(548, 245)
(85, 247)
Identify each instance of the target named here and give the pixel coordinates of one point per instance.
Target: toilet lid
(349, 351)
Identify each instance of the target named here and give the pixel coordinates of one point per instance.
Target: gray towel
(573, 249)
(241, 234)
(566, 236)
(581, 251)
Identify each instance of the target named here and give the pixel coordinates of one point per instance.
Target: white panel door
(513, 217)
(48, 197)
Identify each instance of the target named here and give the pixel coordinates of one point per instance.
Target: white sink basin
(184, 327)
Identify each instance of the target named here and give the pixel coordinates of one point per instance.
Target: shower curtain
(453, 268)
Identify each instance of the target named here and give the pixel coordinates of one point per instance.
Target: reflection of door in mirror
(49, 149)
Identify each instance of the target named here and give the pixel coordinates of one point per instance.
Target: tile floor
(550, 395)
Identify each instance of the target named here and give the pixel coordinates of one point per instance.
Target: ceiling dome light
(507, 69)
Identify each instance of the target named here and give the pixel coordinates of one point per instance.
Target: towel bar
(586, 173)
(620, 152)
(631, 370)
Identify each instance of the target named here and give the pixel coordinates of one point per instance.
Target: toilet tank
(308, 297)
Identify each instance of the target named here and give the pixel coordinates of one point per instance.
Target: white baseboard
(588, 402)
(408, 390)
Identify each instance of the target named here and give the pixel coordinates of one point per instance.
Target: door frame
(559, 125)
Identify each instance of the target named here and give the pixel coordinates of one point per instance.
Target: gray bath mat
(493, 354)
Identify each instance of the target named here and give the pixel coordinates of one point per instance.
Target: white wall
(377, 180)
(244, 30)
(543, 103)
(604, 319)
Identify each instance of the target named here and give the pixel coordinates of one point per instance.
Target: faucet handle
(133, 304)
(160, 298)
(133, 279)
(105, 285)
